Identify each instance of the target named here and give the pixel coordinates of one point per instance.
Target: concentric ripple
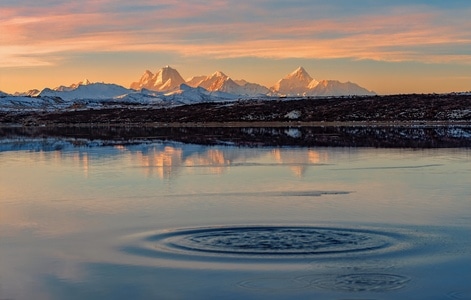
(274, 241)
(262, 242)
(363, 282)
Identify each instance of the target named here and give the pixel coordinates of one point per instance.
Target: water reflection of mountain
(164, 160)
(299, 162)
(329, 136)
(167, 160)
(165, 152)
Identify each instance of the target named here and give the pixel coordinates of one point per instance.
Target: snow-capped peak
(301, 74)
(294, 83)
(218, 81)
(219, 74)
(166, 79)
(167, 73)
(214, 81)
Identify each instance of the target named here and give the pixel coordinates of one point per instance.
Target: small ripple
(457, 295)
(362, 282)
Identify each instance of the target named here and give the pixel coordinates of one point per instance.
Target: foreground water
(166, 220)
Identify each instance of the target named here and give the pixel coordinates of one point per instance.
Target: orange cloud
(32, 38)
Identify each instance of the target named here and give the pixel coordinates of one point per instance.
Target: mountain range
(167, 87)
(297, 83)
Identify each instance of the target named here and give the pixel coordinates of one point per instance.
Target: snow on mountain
(213, 82)
(300, 83)
(166, 79)
(8, 103)
(222, 83)
(296, 83)
(89, 91)
(252, 89)
(195, 81)
(219, 81)
(337, 88)
(190, 95)
(167, 87)
(97, 95)
(144, 97)
(72, 87)
(62, 88)
(145, 82)
(30, 93)
(17, 101)
(255, 89)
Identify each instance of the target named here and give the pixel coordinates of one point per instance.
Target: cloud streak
(48, 34)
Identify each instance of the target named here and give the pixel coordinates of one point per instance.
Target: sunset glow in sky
(386, 46)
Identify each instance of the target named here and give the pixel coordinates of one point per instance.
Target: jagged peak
(298, 82)
(84, 82)
(300, 72)
(219, 74)
(167, 69)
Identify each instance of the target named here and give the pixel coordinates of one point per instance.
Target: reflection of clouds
(40, 218)
(14, 220)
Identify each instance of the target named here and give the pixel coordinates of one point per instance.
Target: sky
(390, 47)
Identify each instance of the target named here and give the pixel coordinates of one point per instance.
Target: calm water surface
(167, 220)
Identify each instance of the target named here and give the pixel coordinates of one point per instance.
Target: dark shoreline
(397, 121)
(417, 136)
(369, 110)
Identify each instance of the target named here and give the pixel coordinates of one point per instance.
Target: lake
(156, 218)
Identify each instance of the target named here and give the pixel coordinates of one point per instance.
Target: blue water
(165, 220)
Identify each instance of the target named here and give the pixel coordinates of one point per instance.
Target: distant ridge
(168, 80)
(300, 83)
(220, 82)
(72, 86)
(87, 91)
(297, 83)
